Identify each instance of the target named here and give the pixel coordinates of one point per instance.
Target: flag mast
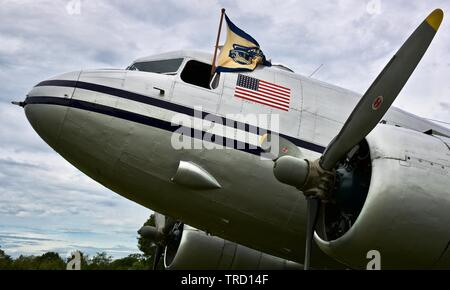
(213, 65)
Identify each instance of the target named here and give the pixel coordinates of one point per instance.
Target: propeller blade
(311, 219)
(160, 222)
(382, 93)
(157, 257)
(163, 223)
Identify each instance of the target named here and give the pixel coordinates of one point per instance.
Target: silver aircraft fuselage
(116, 126)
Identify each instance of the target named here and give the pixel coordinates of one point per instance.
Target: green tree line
(53, 261)
(100, 261)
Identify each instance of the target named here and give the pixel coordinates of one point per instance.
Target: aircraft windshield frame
(163, 66)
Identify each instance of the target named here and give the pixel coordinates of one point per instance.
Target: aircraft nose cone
(44, 106)
(46, 120)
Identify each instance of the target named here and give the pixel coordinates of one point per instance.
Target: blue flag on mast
(241, 52)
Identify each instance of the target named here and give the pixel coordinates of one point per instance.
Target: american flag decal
(263, 92)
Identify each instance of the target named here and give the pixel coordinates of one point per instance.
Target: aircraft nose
(46, 120)
(46, 105)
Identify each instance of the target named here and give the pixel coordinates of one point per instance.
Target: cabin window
(197, 73)
(167, 66)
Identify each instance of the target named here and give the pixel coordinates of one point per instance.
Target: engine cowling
(196, 250)
(401, 204)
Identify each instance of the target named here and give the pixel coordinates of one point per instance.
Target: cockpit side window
(166, 66)
(197, 73)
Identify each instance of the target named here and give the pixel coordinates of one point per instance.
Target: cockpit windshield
(166, 66)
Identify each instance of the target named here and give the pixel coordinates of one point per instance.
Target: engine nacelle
(406, 212)
(197, 250)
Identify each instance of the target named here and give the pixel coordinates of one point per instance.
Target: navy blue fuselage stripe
(175, 108)
(145, 120)
(228, 69)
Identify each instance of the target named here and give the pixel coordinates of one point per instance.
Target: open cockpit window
(199, 74)
(166, 66)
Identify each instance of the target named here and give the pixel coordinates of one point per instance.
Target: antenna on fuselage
(316, 70)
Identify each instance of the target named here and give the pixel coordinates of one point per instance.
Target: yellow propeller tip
(435, 18)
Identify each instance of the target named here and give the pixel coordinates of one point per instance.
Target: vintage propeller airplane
(375, 178)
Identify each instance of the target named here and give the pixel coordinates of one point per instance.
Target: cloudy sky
(42, 210)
